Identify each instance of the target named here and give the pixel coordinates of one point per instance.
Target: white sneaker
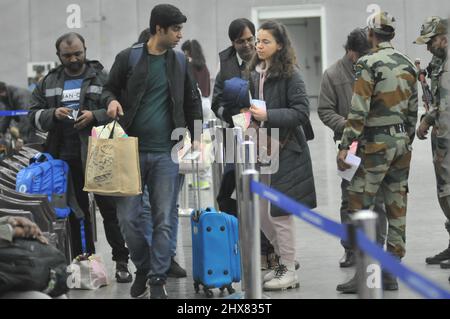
(283, 279)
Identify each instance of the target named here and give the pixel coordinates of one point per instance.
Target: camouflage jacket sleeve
(436, 68)
(411, 118)
(362, 93)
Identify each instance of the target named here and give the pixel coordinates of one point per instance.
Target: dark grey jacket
(288, 109)
(127, 85)
(46, 98)
(335, 97)
(229, 68)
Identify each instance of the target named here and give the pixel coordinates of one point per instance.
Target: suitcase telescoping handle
(194, 157)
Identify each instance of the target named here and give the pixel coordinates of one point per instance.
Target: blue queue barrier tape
(415, 281)
(299, 210)
(14, 113)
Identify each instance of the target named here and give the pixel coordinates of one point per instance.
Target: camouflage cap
(431, 27)
(381, 23)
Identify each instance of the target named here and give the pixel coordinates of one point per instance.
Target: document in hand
(352, 160)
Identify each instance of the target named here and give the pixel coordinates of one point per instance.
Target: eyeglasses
(250, 40)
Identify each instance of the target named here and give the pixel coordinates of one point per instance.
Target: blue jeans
(173, 217)
(149, 243)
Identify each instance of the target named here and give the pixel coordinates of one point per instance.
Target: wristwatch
(343, 147)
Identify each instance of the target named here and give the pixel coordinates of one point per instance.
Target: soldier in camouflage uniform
(382, 119)
(434, 34)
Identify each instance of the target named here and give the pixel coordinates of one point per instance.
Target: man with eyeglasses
(232, 62)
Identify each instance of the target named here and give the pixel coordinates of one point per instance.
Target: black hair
(165, 15)
(195, 52)
(357, 41)
(68, 37)
(238, 26)
(2, 86)
(144, 36)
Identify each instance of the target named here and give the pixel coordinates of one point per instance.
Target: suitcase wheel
(196, 287)
(208, 292)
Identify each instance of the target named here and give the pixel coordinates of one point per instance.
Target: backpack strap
(135, 55)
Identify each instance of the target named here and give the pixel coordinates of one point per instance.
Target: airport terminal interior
(317, 252)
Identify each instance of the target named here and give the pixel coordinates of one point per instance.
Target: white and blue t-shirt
(70, 143)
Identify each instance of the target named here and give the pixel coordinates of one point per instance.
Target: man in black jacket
(153, 97)
(233, 61)
(13, 98)
(66, 104)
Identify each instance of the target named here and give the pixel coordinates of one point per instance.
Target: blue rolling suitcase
(216, 259)
(215, 251)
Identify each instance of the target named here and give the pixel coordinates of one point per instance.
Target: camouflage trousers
(385, 162)
(440, 145)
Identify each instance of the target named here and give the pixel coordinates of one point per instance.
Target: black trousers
(82, 197)
(107, 207)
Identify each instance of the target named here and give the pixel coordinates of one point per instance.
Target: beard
(74, 67)
(439, 52)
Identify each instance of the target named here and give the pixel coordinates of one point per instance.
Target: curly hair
(283, 61)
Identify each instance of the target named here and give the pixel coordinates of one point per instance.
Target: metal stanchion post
(184, 200)
(217, 165)
(368, 270)
(238, 163)
(251, 246)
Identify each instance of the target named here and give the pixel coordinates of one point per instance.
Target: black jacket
(229, 68)
(288, 109)
(127, 85)
(18, 99)
(47, 97)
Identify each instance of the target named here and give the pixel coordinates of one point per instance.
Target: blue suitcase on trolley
(215, 250)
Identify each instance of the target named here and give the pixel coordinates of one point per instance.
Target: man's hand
(114, 109)
(258, 114)
(341, 164)
(422, 130)
(62, 113)
(86, 118)
(24, 228)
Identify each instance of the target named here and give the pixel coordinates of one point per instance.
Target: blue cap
(236, 93)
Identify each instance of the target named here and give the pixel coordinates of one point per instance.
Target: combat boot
(348, 260)
(445, 264)
(389, 281)
(438, 258)
(349, 287)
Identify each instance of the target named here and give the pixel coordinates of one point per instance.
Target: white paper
(352, 160)
(260, 104)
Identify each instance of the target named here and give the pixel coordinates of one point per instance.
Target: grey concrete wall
(30, 27)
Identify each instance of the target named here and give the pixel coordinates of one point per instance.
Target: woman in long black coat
(275, 78)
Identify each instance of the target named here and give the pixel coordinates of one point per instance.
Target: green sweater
(153, 121)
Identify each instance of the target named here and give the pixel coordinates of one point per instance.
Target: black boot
(350, 287)
(438, 258)
(389, 281)
(445, 264)
(348, 260)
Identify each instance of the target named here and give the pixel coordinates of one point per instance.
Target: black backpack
(28, 265)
